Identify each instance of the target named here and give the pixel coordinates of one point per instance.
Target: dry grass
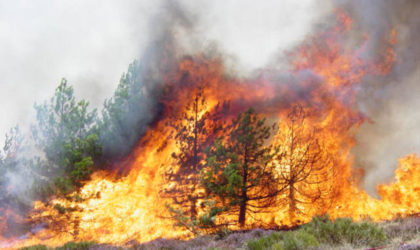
(403, 233)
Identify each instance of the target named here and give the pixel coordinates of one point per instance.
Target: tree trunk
(195, 146)
(242, 212)
(244, 197)
(292, 203)
(193, 209)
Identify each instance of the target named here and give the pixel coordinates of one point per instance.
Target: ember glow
(322, 82)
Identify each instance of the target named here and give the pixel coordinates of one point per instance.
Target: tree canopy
(239, 173)
(126, 115)
(305, 166)
(66, 132)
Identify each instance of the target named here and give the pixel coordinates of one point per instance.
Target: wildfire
(118, 209)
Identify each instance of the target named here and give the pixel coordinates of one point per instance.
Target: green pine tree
(67, 134)
(238, 173)
(126, 115)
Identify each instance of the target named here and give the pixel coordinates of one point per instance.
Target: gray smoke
(92, 43)
(126, 119)
(392, 102)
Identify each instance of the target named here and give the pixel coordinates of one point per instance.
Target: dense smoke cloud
(131, 115)
(182, 28)
(91, 44)
(392, 101)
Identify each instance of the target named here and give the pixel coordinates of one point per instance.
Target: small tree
(304, 164)
(15, 183)
(238, 172)
(66, 133)
(126, 115)
(191, 129)
(11, 147)
(8, 160)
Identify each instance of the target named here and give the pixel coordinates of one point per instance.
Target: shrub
(288, 241)
(76, 245)
(265, 242)
(322, 230)
(36, 247)
(344, 230)
(298, 240)
(222, 233)
(406, 229)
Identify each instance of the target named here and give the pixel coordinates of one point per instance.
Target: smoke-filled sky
(92, 42)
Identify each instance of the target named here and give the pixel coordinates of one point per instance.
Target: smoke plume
(391, 101)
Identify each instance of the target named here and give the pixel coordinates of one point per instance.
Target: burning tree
(191, 136)
(305, 167)
(238, 172)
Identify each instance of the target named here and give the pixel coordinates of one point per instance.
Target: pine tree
(238, 173)
(66, 132)
(126, 115)
(191, 131)
(304, 164)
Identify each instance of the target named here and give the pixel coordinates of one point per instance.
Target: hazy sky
(92, 42)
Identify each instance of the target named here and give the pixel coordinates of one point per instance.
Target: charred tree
(305, 166)
(239, 174)
(190, 133)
